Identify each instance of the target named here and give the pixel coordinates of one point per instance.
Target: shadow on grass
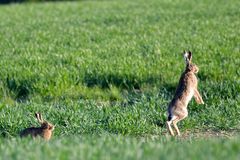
(2, 2)
(159, 123)
(3, 132)
(8, 1)
(134, 87)
(20, 89)
(129, 82)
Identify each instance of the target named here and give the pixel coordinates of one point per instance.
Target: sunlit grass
(104, 72)
(118, 147)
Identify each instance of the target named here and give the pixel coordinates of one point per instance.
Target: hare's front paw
(198, 101)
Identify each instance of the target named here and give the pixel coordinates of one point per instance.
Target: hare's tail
(170, 117)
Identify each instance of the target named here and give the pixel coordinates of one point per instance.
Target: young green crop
(81, 49)
(118, 148)
(104, 72)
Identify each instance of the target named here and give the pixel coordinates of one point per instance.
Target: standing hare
(45, 131)
(187, 88)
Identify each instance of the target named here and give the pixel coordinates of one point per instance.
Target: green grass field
(107, 147)
(104, 72)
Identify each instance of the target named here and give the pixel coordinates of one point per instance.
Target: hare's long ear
(39, 118)
(187, 56)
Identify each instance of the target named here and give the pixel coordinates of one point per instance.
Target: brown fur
(187, 88)
(45, 131)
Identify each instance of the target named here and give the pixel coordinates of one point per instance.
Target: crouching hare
(44, 131)
(187, 88)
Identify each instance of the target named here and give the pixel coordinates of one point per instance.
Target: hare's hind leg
(169, 128)
(175, 121)
(175, 126)
(168, 124)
